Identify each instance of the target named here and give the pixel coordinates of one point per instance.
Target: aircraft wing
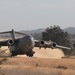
(49, 44)
(9, 42)
(63, 47)
(44, 44)
(3, 43)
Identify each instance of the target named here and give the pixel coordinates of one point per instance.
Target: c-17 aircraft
(25, 45)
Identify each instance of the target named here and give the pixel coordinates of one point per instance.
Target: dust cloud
(48, 53)
(4, 51)
(39, 53)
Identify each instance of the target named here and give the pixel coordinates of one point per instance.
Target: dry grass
(44, 62)
(37, 66)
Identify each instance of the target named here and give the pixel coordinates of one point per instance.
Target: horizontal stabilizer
(20, 33)
(5, 32)
(14, 32)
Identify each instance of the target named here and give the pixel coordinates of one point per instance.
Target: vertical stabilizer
(12, 34)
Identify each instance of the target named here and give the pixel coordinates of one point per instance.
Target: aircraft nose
(32, 41)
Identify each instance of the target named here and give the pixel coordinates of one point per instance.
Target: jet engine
(47, 44)
(42, 43)
(53, 45)
(10, 42)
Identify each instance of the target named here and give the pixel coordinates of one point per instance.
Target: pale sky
(34, 14)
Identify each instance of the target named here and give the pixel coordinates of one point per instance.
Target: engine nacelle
(47, 44)
(10, 42)
(53, 45)
(42, 43)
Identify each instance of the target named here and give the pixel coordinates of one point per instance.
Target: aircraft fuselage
(25, 46)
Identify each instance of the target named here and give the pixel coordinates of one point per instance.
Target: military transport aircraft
(25, 45)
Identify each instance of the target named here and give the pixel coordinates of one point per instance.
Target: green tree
(56, 34)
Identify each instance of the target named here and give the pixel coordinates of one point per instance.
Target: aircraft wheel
(31, 54)
(14, 53)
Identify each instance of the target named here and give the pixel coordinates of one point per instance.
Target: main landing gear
(30, 54)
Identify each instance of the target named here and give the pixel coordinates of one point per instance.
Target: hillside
(33, 31)
(38, 32)
(70, 30)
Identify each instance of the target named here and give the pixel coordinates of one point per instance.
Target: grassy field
(44, 62)
(37, 66)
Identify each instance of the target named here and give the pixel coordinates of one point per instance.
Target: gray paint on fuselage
(24, 45)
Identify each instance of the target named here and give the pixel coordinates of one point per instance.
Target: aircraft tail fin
(12, 34)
